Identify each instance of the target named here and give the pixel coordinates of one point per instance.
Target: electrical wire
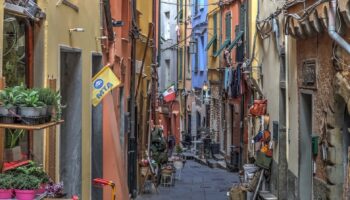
(209, 4)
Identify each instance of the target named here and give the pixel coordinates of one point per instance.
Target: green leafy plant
(13, 136)
(30, 98)
(6, 181)
(26, 182)
(47, 96)
(11, 96)
(32, 169)
(179, 149)
(58, 105)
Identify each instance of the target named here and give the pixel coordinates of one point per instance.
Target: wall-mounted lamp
(76, 30)
(193, 46)
(102, 38)
(116, 23)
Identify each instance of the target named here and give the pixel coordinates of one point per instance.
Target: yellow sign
(102, 83)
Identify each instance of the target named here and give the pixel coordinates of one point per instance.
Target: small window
(167, 14)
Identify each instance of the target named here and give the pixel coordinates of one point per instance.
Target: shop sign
(102, 83)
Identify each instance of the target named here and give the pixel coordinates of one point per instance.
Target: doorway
(305, 147)
(346, 140)
(97, 134)
(71, 130)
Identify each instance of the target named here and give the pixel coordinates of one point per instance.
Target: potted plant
(25, 186)
(12, 149)
(30, 107)
(6, 186)
(48, 97)
(8, 103)
(54, 190)
(33, 169)
(58, 106)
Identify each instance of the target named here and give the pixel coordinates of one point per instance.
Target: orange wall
(234, 8)
(119, 53)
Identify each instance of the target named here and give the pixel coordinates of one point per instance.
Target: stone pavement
(198, 182)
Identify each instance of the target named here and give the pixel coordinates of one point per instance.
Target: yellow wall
(145, 13)
(253, 10)
(54, 33)
(213, 62)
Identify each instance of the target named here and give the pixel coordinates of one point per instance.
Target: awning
(211, 42)
(227, 41)
(235, 42)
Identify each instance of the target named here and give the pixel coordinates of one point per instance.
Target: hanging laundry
(178, 32)
(236, 82)
(227, 78)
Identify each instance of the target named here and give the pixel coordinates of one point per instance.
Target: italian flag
(169, 94)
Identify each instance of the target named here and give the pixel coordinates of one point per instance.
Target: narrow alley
(175, 99)
(198, 182)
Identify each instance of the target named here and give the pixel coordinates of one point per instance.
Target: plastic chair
(166, 180)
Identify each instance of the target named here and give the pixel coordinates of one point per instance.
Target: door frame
(311, 93)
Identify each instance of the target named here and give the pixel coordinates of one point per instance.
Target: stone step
(222, 165)
(212, 163)
(266, 195)
(218, 157)
(200, 161)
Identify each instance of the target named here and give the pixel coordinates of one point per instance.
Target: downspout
(332, 29)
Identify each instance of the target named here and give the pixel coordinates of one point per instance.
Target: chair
(166, 180)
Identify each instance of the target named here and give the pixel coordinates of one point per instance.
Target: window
(215, 26)
(228, 25)
(15, 70)
(180, 63)
(168, 75)
(195, 7)
(196, 59)
(167, 14)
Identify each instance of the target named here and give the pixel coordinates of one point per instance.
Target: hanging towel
(236, 82)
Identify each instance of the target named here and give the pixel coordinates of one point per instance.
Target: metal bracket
(69, 4)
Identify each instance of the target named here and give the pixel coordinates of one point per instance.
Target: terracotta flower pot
(25, 194)
(6, 194)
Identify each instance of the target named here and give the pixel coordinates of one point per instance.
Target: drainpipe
(331, 27)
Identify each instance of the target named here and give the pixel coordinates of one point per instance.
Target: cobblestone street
(198, 182)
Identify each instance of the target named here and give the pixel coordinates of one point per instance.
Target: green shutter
(222, 47)
(234, 43)
(228, 25)
(215, 27)
(212, 41)
(180, 64)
